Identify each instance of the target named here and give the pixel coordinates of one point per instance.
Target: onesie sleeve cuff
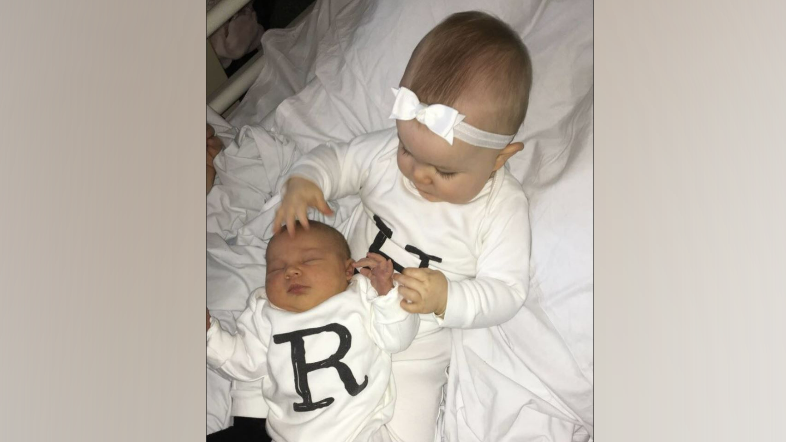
(388, 307)
(312, 173)
(456, 307)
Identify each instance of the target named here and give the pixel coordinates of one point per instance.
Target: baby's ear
(505, 154)
(349, 271)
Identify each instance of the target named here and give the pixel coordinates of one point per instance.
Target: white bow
(439, 118)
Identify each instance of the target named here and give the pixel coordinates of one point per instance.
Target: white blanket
(329, 78)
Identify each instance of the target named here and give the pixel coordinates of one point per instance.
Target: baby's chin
(287, 302)
(429, 197)
(299, 302)
(435, 199)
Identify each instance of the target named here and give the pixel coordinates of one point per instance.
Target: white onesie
(482, 247)
(326, 372)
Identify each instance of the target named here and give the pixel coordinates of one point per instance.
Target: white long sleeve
(390, 326)
(342, 169)
(242, 356)
(499, 289)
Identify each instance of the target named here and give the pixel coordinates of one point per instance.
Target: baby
(437, 201)
(320, 339)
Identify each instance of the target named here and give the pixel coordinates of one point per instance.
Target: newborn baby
(320, 338)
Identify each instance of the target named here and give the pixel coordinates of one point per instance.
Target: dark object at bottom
(245, 429)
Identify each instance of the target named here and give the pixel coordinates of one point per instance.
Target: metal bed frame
(236, 85)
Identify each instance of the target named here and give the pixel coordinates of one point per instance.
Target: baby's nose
(421, 175)
(292, 271)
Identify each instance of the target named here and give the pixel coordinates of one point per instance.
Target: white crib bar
(236, 85)
(221, 13)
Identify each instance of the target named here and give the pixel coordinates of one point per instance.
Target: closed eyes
(445, 175)
(309, 261)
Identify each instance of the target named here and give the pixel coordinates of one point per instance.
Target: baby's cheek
(453, 187)
(403, 166)
(273, 286)
(462, 190)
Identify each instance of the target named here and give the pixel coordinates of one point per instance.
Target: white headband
(444, 121)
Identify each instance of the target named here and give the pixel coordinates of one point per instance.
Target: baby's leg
(419, 373)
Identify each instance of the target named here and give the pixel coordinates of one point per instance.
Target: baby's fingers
(416, 273)
(302, 216)
(376, 257)
(411, 296)
(365, 262)
(282, 218)
(277, 221)
(410, 282)
(291, 224)
(213, 149)
(323, 206)
(408, 307)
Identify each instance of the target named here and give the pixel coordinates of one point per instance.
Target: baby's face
(304, 271)
(439, 171)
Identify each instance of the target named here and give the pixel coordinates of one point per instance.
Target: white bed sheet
(329, 78)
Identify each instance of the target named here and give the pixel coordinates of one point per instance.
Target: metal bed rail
(236, 85)
(221, 13)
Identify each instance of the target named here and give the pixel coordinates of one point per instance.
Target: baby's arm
(241, 356)
(500, 285)
(392, 328)
(329, 171)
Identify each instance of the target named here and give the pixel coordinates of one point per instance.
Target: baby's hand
(299, 195)
(424, 290)
(379, 271)
(214, 145)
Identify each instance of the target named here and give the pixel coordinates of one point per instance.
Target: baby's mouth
(414, 188)
(296, 289)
